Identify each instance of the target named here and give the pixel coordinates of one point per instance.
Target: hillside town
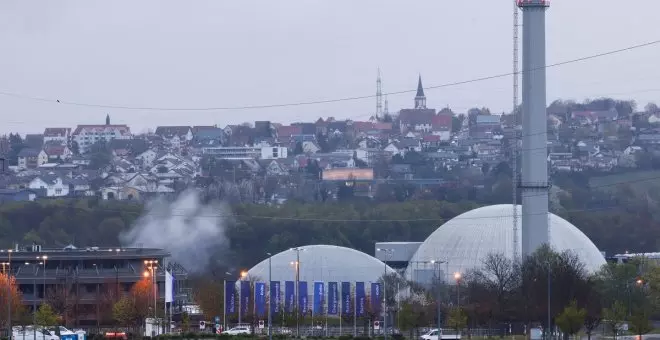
(268, 161)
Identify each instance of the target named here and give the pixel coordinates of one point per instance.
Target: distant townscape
(269, 161)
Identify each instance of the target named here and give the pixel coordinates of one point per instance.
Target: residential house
(591, 117)
(176, 136)
(53, 184)
(441, 126)
(87, 135)
(28, 158)
(285, 133)
(485, 126)
(420, 120)
(239, 135)
(57, 135)
(54, 153)
(146, 159)
(403, 146)
(208, 136)
(274, 167)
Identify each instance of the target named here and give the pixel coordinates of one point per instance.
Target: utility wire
(324, 101)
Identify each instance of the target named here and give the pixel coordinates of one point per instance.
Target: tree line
(545, 288)
(623, 221)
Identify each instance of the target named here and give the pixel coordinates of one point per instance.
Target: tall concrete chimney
(534, 182)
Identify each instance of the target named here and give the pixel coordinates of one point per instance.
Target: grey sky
(210, 53)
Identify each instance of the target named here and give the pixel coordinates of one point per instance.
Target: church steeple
(420, 98)
(107, 119)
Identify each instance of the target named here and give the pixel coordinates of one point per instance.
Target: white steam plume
(189, 229)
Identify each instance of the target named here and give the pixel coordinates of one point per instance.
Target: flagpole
(165, 303)
(224, 304)
(355, 311)
(340, 311)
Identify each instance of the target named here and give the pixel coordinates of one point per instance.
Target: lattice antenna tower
(514, 146)
(379, 96)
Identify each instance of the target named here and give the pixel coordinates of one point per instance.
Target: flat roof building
(87, 273)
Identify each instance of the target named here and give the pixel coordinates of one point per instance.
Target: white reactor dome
(322, 263)
(463, 242)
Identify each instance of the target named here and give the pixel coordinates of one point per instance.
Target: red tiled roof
(287, 131)
(431, 138)
(363, 126)
(383, 126)
(54, 150)
(442, 121)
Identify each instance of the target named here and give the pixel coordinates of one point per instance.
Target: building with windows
(87, 278)
(87, 135)
(246, 152)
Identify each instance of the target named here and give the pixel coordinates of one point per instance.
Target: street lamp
(151, 265)
(297, 302)
(43, 261)
(437, 301)
(388, 253)
(270, 298)
(457, 277)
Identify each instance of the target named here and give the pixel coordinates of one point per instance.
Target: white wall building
(86, 135)
(240, 152)
(54, 186)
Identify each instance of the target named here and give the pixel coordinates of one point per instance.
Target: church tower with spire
(420, 98)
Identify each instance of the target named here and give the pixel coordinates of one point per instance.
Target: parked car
(237, 331)
(433, 335)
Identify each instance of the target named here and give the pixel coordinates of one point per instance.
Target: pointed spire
(107, 119)
(420, 88)
(420, 98)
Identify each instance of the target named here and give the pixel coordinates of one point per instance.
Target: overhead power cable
(322, 101)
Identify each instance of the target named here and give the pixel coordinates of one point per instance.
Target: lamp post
(457, 277)
(297, 293)
(151, 264)
(224, 301)
(43, 261)
(388, 253)
(437, 301)
(270, 298)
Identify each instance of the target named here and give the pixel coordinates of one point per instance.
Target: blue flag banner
(260, 299)
(360, 299)
(333, 298)
(376, 298)
(345, 298)
(319, 297)
(230, 297)
(289, 296)
(274, 298)
(302, 297)
(245, 297)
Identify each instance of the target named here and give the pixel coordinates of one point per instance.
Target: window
(58, 191)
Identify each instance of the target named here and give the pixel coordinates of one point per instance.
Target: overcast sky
(228, 53)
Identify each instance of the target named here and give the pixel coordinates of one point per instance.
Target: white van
(444, 335)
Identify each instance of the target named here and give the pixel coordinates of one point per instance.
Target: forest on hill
(616, 220)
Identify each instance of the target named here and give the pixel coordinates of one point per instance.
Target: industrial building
(86, 274)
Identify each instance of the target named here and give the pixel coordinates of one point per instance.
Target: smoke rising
(192, 231)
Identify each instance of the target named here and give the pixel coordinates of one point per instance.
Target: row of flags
(336, 300)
